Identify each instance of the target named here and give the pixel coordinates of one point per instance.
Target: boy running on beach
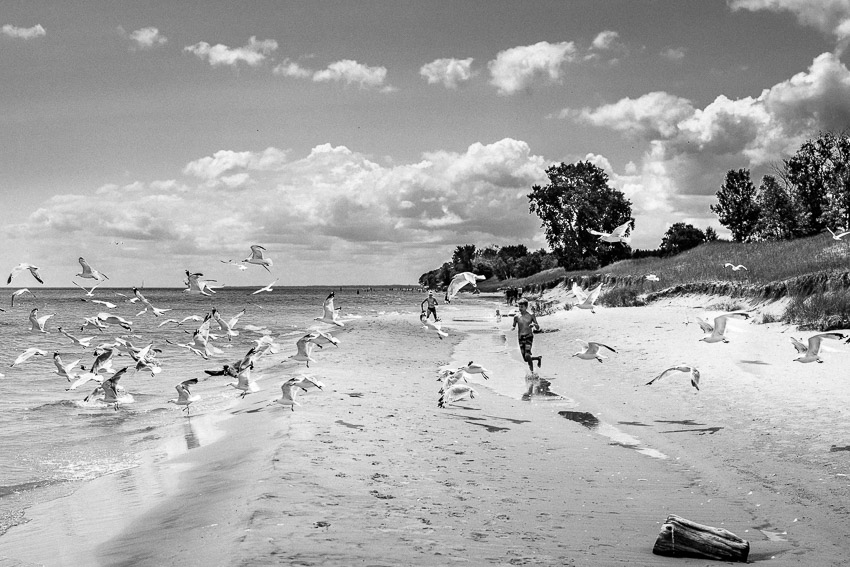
(432, 305)
(527, 324)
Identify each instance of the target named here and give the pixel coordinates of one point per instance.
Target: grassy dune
(813, 272)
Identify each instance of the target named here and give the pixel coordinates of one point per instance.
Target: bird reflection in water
(192, 441)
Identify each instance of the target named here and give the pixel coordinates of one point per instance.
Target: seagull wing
(720, 321)
(814, 341)
(593, 295)
(597, 345)
(801, 348)
(621, 230)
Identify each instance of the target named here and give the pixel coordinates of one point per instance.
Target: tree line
(808, 193)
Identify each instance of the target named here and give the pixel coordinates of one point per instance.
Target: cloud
(515, 69)
(334, 199)
(673, 53)
(144, 38)
(289, 68)
(252, 54)
(604, 40)
(23, 33)
(829, 16)
(655, 114)
(351, 72)
(449, 72)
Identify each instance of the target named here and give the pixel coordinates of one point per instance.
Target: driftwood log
(680, 537)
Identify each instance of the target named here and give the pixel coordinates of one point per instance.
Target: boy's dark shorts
(525, 342)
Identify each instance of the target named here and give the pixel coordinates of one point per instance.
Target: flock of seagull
(103, 372)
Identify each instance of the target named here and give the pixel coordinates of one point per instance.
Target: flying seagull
(27, 354)
(329, 312)
(89, 292)
(19, 293)
(257, 258)
(20, 268)
(84, 342)
(65, 370)
(36, 322)
(811, 352)
(90, 273)
(683, 368)
(591, 351)
(734, 267)
(589, 302)
(616, 235)
(184, 396)
(718, 330)
(455, 393)
(428, 324)
(266, 288)
(459, 281)
(841, 233)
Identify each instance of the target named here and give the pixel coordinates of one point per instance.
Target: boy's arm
(534, 320)
(515, 322)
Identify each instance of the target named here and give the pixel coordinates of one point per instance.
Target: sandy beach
(371, 472)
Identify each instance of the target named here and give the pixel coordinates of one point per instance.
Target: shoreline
(496, 479)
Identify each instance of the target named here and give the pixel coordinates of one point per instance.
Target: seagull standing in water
(616, 235)
(20, 268)
(718, 330)
(811, 352)
(36, 322)
(459, 281)
(90, 273)
(257, 258)
(184, 396)
(591, 351)
(329, 312)
(691, 370)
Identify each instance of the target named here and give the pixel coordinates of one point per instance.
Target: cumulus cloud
(351, 72)
(449, 71)
(515, 69)
(23, 33)
(689, 148)
(253, 54)
(289, 68)
(332, 199)
(829, 16)
(673, 53)
(144, 38)
(607, 39)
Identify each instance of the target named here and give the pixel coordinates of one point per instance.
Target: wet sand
(371, 472)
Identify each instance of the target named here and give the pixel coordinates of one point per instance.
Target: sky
(361, 142)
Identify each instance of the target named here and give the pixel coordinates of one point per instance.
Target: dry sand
(371, 472)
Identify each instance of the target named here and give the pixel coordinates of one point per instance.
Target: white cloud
(145, 38)
(607, 39)
(252, 54)
(351, 72)
(673, 53)
(212, 167)
(449, 72)
(515, 69)
(829, 16)
(651, 115)
(289, 68)
(23, 33)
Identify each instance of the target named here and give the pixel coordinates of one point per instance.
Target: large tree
(578, 199)
(819, 178)
(777, 217)
(463, 257)
(681, 237)
(736, 206)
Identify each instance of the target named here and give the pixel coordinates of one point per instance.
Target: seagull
(109, 387)
(289, 389)
(428, 324)
(20, 268)
(257, 258)
(811, 353)
(102, 362)
(320, 338)
(200, 339)
(19, 293)
(111, 319)
(451, 376)
(734, 267)
(227, 326)
(455, 393)
(183, 320)
(473, 368)
(83, 379)
(89, 292)
(616, 235)
(683, 368)
(196, 285)
(267, 288)
(305, 349)
(305, 382)
(142, 299)
(589, 301)
(145, 359)
(841, 233)
(591, 351)
(652, 277)
(329, 313)
(36, 322)
(184, 396)
(244, 382)
(84, 342)
(719, 328)
(106, 304)
(238, 265)
(27, 354)
(459, 281)
(92, 322)
(90, 273)
(65, 370)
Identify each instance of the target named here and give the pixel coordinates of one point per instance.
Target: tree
(819, 178)
(576, 200)
(777, 217)
(736, 207)
(463, 257)
(681, 237)
(710, 234)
